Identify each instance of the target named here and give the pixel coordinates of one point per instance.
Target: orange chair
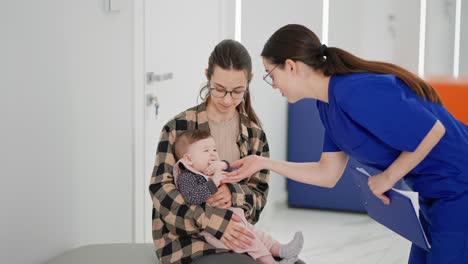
(454, 95)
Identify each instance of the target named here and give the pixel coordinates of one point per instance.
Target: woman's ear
(206, 73)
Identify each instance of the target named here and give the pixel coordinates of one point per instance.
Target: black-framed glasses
(221, 93)
(267, 77)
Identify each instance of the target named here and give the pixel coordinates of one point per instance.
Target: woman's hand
(215, 166)
(247, 167)
(222, 198)
(379, 184)
(235, 236)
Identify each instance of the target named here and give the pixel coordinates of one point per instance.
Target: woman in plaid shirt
(228, 114)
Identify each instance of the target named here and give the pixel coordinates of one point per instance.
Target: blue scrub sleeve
(328, 144)
(380, 105)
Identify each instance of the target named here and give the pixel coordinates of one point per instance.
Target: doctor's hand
(379, 184)
(246, 168)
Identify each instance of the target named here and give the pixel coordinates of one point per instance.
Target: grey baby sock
(293, 248)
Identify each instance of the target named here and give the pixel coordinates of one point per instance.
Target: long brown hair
(232, 55)
(299, 43)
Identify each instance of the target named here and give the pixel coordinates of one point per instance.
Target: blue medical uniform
(373, 118)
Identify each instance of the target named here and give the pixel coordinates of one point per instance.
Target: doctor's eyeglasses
(267, 77)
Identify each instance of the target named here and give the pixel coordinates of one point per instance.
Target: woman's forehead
(229, 78)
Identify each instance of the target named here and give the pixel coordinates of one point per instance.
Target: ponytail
(339, 61)
(298, 43)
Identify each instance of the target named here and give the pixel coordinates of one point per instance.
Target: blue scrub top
(374, 117)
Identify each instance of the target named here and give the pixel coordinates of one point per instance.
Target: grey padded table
(142, 253)
(109, 254)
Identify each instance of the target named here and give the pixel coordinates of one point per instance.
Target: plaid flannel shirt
(176, 224)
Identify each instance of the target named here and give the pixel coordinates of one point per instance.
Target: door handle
(152, 77)
(153, 100)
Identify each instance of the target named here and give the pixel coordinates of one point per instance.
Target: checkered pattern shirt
(176, 224)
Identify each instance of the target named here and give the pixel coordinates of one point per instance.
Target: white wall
(268, 103)
(464, 40)
(35, 131)
(345, 26)
(386, 30)
(405, 31)
(66, 127)
(360, 27)
(440, 35)
(101, 67)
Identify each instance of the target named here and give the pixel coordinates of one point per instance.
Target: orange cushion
(454, 95)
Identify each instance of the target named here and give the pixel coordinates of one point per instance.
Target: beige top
(225, 134)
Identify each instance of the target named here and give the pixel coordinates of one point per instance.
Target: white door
(178, 38)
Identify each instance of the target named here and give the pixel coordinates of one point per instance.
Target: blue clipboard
(399, 216)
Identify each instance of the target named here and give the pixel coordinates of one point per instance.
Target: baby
(196, 154)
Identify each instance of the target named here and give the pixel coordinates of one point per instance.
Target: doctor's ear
(290, 65)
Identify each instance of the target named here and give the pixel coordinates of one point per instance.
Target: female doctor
(383, 116)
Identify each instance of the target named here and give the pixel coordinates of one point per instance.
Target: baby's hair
(187, 138)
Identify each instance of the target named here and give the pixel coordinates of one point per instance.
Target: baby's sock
(293, 248)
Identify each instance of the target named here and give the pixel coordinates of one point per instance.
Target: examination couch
(109, 254)
(142, 253)
(305, 139)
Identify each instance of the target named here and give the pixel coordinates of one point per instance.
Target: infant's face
(202, 153)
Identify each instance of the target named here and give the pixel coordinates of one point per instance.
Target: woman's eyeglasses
(221, 93)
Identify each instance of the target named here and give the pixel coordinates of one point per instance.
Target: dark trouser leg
(447, 230)
(225, 258)
(229, 258)
(417, 255)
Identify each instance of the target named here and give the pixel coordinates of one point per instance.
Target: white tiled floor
(335, 237)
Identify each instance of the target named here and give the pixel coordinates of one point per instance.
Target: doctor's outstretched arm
(324, 173)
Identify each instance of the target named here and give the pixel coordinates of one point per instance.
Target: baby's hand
(218, 176)
(215, 166)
